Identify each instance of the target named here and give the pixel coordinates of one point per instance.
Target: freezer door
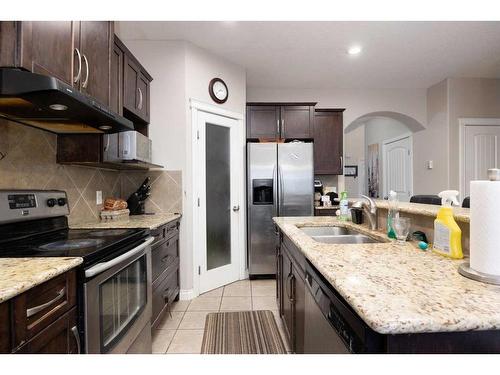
(262, 207)
(295, 179)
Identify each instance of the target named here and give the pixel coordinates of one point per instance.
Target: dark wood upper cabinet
(41, 47)
(328, 141)
(263, 121)
(297, 121)
(131, 73)
(136, 87)
(77, 53)
(280, 120)
(116, 80)
(95, 43)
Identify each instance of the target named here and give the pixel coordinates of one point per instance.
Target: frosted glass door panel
(218, 196)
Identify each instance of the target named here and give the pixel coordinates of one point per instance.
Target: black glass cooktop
(91, 245)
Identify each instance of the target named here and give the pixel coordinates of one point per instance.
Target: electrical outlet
(98, 197)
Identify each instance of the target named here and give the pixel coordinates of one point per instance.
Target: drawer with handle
(165, 292)
(60, 337)
(165, 232)
(42, 305)
(163, 256)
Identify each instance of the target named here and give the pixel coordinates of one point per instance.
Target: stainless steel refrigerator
(280, 182)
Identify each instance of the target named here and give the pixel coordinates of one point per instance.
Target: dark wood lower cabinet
(165, 264)
(299, 293)
(5, 339)
(287, 302)
(43, 319)
(61, 337)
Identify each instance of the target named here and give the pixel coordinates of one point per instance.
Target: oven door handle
(101, 267)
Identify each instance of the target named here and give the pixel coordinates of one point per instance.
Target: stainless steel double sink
(337, 235)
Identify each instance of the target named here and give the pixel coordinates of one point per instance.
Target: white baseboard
(187, 294)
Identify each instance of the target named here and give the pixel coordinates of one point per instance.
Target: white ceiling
(313, 54)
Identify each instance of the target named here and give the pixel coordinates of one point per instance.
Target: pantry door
(218, 200)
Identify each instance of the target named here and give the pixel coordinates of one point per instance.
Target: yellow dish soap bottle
(447, 233)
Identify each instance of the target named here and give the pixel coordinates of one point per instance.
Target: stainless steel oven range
(114, 281)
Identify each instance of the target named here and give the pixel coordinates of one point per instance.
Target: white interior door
(480, 144)
(397, 172)
(219, 206)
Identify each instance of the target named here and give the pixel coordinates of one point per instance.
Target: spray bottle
(447, 233)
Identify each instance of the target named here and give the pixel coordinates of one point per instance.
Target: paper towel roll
(485, 226)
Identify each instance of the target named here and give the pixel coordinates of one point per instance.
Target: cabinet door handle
(287, 285)
(292, 289)
(87, 70)
(34, 310)
(139, 106)
(79, 74)
(74, 330)
(342, 164)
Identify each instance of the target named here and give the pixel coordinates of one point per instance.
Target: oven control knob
(61, 201)
(51, 202)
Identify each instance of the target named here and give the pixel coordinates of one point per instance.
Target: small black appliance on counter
(136, 201)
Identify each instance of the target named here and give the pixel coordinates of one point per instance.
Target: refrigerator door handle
(280, 192)
(275, 192)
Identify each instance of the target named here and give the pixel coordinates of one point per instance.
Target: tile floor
(183, 331)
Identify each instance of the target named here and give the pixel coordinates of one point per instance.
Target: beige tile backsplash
(28, 161)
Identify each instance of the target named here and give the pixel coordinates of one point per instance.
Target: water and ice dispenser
(262, 191)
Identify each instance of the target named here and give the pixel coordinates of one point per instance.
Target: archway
(365, 141)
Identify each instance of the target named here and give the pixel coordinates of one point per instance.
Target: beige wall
(30, 163)
(447, 102)
(432, 144)
(468, 97)
(357, 102)
(182, 72)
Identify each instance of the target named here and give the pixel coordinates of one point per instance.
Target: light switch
(430, 164)
(98, 197)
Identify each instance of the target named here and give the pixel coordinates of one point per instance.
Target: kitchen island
(400, 290)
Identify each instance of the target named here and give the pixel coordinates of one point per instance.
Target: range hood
(50, 104)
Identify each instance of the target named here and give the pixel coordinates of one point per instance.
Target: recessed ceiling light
(58, 107)
(354, 50)
(104, 127)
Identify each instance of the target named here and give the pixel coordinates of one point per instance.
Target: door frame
(463, 122)
(384, 160)
(196, 108)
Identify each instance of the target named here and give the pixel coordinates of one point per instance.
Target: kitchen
(165, 192)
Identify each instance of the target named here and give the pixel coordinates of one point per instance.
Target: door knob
(236, 208)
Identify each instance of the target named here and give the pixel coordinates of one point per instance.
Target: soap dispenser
(447, 233)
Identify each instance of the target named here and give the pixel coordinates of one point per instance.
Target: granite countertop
(460, 214)
(398, 288)
(134, 221)
(334, 207)
(17, 275)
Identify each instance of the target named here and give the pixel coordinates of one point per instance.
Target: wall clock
(218, 90)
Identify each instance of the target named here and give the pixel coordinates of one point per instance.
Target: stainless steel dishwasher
(331, 326)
